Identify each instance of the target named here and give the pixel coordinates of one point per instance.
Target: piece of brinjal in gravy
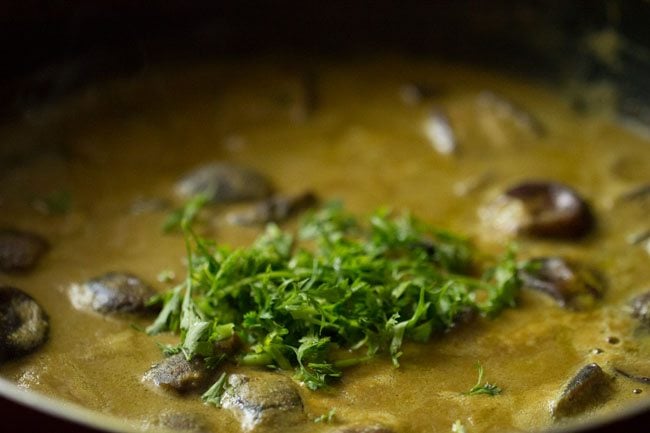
(590, 387)
(273, 209)
(571, 284)
(179, 375)
(222, 182)
(440, 133)
(640, 306)
(24, 325)
(263, 399)
(540, 209)
(113, 292)
(500, 107)
(20, 251)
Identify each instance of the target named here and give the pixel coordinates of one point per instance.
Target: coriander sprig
(332, 295)
(483, 388)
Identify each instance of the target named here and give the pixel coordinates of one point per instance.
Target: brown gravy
(129, 140)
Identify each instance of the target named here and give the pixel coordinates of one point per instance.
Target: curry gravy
(354, 136)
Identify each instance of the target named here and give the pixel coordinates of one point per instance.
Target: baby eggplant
(510, 113)
(178, 374)
(589, 387)
(641, 308)
(114, 292)
(542, 210)
(569, 283)
(263, 399)
(440, 133)
(24, 326)
(273, 209)
(20, 250)
(223, 182)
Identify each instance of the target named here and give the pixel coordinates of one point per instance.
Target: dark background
(53, 47)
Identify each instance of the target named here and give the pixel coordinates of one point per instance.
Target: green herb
(166, 276)
(169, 350)
(486, 388)
(326, 418)
(188, 212)
(458, 427)
(332, 295)
(215, 392)
(169, 317)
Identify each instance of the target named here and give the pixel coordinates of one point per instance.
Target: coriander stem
(256, 359)
(273, 275)
(351, 362)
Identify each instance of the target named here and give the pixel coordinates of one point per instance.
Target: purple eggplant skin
(178, 375)
(276, 208)
(222, 182)
(20, 251)
(263, 399)
(640, 306)
(24, 325)
(543, 209)
(571, 284)
(113, 292)
(588, 388)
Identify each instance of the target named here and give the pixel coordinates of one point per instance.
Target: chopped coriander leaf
(169, 317)
(458, 427)
(169, 350)
(188, 212)
(215, 392)
(333, 295)
(486, 388)
(326, 418)
(166, 276)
